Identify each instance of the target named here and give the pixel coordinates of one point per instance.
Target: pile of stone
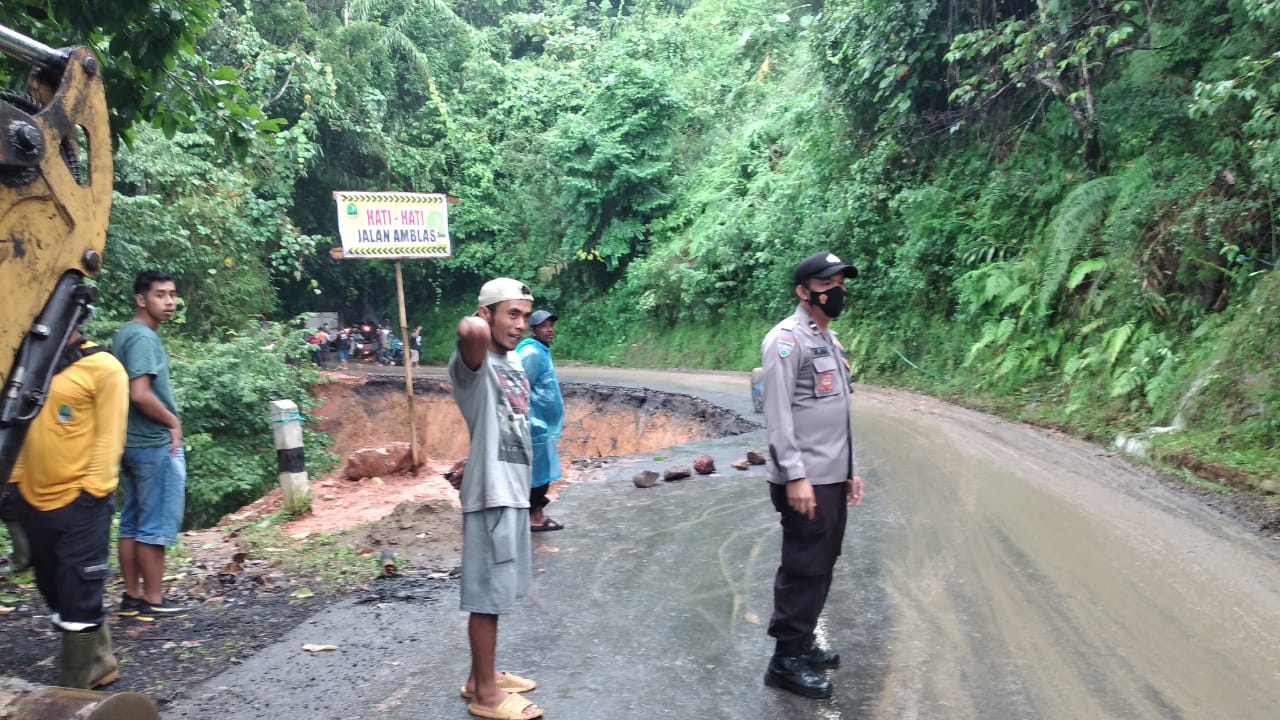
(702, 465)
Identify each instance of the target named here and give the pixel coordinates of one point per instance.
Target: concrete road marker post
(286, 423)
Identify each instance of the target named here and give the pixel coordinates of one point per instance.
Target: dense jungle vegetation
(1063, 210)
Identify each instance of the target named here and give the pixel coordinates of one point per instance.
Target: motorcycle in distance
(393, 354)
(364, 343)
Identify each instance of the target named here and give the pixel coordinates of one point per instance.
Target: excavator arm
(55, 198)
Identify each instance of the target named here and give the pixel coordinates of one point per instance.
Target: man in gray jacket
(812, 468)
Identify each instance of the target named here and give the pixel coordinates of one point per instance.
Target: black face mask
(830, 301)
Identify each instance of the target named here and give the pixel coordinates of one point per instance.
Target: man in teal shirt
(546, 415)
(153, 471)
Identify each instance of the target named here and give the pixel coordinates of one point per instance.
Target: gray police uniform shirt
(494, 400)
(806, 403)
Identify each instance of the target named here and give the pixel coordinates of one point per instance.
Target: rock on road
(994, 571)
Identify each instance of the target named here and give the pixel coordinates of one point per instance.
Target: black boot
(820, 657)
(793, 673)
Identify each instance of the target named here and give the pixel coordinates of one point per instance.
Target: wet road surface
(993, 572)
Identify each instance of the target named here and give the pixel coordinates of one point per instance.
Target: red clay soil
(371, 411)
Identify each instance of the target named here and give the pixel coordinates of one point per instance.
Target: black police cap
(822, 265)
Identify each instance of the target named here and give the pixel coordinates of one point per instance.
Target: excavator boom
(55, 199)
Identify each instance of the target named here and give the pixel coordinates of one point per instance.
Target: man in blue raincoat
(546, 415)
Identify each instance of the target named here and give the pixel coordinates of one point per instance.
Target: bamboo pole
(408, 369)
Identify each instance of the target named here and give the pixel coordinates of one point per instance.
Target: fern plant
(1136, 363)
(1082, 212)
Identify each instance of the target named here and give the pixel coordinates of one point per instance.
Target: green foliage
(1249, 89)
(654, 169)
(152, 69)
(1235, 373)
(217, 220)
(885, 59)
(223, 236)
(733, 344)
(1079, 214)
(223, 390)
(613, 160)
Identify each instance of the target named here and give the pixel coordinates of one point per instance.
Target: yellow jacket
(74, 444)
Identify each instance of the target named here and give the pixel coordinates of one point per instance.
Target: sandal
(510, 709)
(547, 526)
(507, 682)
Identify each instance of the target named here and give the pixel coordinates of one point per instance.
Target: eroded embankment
(600, 421)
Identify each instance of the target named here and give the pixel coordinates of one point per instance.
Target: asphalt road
(993, 572)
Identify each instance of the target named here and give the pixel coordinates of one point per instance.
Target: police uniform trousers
(809, 552)
(69, 548)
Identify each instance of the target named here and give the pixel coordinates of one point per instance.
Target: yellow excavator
(55, 199)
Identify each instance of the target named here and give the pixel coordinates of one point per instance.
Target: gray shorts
(496, 559)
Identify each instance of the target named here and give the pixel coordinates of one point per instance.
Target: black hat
(539, 317)
(822, 265)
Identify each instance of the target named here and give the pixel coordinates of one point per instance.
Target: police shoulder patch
(785, 346)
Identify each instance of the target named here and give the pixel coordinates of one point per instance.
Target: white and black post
(294, 486)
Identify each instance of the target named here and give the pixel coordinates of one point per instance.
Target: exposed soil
(243, 603)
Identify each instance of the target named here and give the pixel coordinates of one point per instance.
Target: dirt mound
(338, 503)
(427, 534)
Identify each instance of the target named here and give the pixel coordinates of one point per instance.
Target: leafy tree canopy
(151, 67)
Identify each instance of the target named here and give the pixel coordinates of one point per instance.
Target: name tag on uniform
(827, 381)
(822, 351)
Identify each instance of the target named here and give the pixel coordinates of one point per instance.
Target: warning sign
(393, 224)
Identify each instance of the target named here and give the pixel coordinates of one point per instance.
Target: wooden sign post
(395, 226)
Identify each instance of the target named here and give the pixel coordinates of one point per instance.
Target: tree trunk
(1093, 159)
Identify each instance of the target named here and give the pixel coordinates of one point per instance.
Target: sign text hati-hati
(414, 218)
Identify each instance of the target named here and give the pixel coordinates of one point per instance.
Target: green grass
(1224, 449)
(329, 562)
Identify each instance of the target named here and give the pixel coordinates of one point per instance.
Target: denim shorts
(153, 484)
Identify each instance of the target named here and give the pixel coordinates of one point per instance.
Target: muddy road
(994, 571)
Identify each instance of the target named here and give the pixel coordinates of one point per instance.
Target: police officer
(812, 476)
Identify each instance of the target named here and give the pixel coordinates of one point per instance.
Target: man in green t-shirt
(153, 472)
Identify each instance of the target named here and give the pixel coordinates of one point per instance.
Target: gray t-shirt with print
(494, 400)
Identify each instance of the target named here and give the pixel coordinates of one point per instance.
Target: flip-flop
(510, 709)
(547, 526)
(507, 682)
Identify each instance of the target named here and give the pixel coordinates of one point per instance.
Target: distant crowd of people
(369, 342)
